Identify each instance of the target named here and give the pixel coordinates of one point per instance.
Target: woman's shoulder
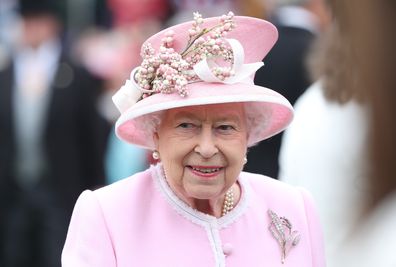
(265, 183)
(275, 192)
(120, 191)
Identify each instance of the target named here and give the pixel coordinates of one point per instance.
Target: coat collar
(196, 216)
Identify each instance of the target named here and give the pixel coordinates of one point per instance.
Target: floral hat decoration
(201, 62)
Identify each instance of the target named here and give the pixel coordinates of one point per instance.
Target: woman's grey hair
(255, 116)
(153, 120)
(149, 123)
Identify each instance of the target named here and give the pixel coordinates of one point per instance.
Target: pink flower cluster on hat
(169, 71)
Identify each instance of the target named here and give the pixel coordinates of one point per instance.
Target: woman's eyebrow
(185, 114)
(229, 117)
(223, 118)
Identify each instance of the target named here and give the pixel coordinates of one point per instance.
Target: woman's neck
(215, 207)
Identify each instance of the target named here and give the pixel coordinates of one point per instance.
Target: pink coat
(139, 221)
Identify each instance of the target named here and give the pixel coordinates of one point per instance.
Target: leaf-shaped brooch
(281, 230)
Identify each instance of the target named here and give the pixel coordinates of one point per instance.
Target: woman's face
(202, 148)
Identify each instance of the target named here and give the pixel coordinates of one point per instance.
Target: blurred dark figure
(51, 137)
(298, 22)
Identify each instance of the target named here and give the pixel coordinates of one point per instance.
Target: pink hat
(195, 64)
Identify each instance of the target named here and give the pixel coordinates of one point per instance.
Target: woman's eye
(226, 127)
(186, 125)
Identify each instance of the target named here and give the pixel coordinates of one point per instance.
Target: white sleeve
(299, 142)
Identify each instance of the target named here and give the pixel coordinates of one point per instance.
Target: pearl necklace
(228, 204)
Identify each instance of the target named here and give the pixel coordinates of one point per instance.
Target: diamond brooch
(281, 230)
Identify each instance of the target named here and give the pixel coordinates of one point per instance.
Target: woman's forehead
(213, 111)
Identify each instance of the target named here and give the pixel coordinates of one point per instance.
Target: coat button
(227, 249)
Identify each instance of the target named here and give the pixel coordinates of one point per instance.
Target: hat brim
(276, 111)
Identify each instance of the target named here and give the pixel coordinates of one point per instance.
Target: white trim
(212, 230)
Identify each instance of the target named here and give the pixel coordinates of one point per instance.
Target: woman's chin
(204, 192)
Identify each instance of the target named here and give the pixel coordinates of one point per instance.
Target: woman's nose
(206, 145)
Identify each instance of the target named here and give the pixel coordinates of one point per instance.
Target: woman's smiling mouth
(205, 171)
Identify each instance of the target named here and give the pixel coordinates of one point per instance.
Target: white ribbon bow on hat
(127, 95)
(131, 92)
(242, 71)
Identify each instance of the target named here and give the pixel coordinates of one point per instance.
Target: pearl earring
(156, 155)
(244, 160)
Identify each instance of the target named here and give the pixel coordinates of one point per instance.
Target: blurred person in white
(299, 23)
(51, 139)
(326, 147)
(370, 26)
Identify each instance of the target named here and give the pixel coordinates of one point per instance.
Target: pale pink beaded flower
(170, 71)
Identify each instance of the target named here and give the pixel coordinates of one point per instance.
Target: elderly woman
(193, 103)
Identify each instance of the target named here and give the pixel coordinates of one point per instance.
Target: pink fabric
(135, 222)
